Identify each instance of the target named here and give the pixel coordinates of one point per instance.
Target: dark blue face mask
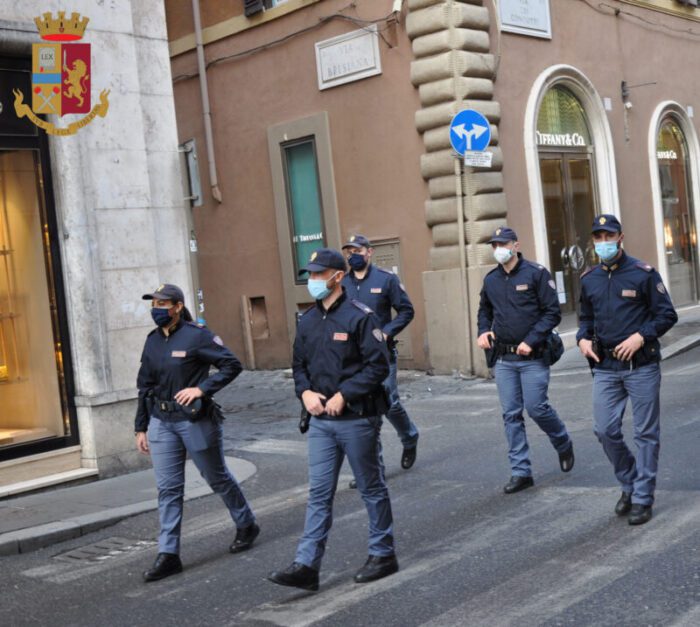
(161, 316)
(357, 261)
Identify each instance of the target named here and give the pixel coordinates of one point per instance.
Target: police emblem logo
(498, 231)
(378, 335)
(313, 256)
(352, 239)
(660, 288)
(160, 288)
(218, 340)
(340, 337)
(61, 75)
(602, 220)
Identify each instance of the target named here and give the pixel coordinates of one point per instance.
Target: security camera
(628, 105)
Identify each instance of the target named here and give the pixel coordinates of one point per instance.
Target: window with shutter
(252, 7)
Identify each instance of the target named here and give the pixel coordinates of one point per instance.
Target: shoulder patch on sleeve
(378, 335)
(362, 307)
(644, 266)
(218, 340)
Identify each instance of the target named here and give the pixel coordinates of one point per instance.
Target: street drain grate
(104, 550)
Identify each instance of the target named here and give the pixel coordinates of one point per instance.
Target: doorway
(569, 194)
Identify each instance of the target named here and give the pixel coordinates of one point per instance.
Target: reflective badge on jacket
(376, 290)
(340, 337)
(178, 354)
(629, 293)
(521, 288)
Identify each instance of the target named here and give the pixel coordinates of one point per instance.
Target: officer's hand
(142, 443)
(484, 340)
(186, 396)
(523, 349)
(336, 405)
(625, 350)
(586, 348)
(312, 402)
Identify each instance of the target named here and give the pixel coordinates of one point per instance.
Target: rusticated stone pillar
(454, 70)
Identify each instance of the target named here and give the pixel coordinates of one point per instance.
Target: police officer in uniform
(340, 360)
(382, 291)
(625, 309)
(518, 310)
(176, 416)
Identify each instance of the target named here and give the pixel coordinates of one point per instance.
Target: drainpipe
(206, 110)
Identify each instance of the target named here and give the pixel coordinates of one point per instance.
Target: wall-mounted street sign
(526, 17)
(470, 134)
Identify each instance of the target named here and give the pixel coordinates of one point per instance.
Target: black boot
(639, 514)
(566, 459)
(166, 564)
(244, 538)
(624, 505)
(377, 567)
(518, 483)
(296, 576)
(409, 457)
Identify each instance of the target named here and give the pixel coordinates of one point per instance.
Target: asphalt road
(469, 555)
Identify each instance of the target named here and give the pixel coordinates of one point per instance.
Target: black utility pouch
(553, 349)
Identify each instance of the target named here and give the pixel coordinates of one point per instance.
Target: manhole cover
(104, 550)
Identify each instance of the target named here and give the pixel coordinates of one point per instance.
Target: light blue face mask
(606, 250)
(318, 288)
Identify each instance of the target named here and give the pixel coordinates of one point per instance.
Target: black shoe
(352, 485)
(639, 514)
(624, 505)
(409, 457)
(244, 538)
(518, 483)
(566, 459)
(166, 564)
(297, 576)
(377, 567)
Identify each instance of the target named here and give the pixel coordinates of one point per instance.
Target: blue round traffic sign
(469, 130)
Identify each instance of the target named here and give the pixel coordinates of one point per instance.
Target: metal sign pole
(462, 259)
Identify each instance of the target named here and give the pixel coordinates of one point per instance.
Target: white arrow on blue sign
(469, 131)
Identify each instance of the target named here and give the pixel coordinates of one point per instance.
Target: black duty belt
(512, 349)
(167, 406)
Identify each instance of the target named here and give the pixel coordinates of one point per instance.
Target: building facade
(331, 118)
(88, 223)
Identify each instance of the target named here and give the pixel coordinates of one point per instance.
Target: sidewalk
(30, 522)
(684, 336)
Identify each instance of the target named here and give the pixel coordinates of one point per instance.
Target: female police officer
(175, 417)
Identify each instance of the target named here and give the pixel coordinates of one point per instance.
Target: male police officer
(381, 291)
(624, 310)
(340, 360)
(517, 312)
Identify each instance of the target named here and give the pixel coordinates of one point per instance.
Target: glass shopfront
(569, 192)
(680, 237)
(37, 413)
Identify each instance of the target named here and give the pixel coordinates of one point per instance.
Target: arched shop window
(679, 232)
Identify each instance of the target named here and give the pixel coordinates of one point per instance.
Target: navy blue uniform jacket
(340, 350)
(520, 306)
(625, 297)
(180, 360)
(381, 291)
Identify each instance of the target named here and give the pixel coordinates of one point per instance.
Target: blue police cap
(356, 241)
(324, 258)
(166, 291)
(503, 234)
(606, 222)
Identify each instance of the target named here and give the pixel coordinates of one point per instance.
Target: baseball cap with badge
(324, 258)
(606, 222)
(166, 291)
(356, 241)
(503, 234)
